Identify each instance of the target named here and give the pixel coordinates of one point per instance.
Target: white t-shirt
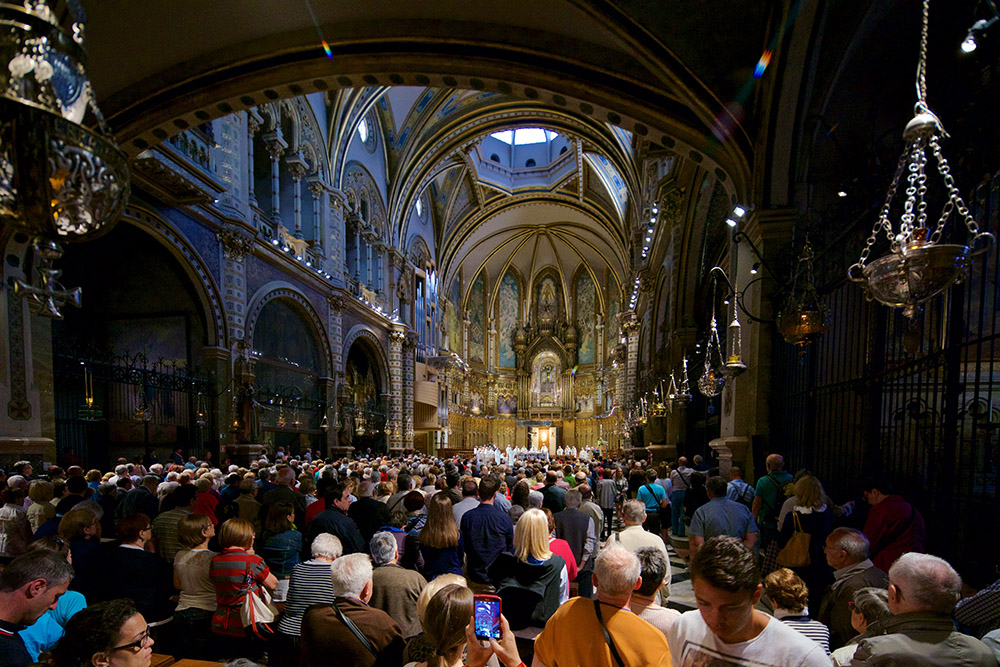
(692, 643)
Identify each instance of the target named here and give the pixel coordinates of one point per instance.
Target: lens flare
(765, 60)
(327, 49)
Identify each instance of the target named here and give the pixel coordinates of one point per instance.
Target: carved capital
(275, 145)
(397, 337)
(296, 166)
(317, 188)
(337, 303)
(237, 245)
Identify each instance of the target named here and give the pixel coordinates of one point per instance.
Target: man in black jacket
(334, 520)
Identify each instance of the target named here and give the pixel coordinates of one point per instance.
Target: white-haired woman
(309, 584)
(532, 572)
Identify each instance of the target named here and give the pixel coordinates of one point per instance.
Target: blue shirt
(651, 500)
(49, 628)
(740, 491)
(486, 532)
(722, 516)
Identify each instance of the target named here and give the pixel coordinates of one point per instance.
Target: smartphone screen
(487, 616)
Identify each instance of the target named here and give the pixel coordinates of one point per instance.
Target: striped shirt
(229, 572)
(310, 584)
(814, 630)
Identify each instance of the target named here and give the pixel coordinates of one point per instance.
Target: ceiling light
(969, 45)
(841, 194)
(648, 239)
(730, 222)
(739, 211)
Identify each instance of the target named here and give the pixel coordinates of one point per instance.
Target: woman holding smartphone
(449, 627)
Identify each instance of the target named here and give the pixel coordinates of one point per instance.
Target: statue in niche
(547, 300)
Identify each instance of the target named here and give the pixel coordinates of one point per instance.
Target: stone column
(745, 400)
(632, 328)
(369, 240)
(276, 147)
(335, 326)
(409, 345)
(356, 228)
(254, 121)
(297, 167)
(232, 152)
(317, 188)
(236, 245)
(397, 336)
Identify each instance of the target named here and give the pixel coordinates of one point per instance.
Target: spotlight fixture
(841, 194)
(978, 29)
(739, 211)
(754, 268)
(730, 222)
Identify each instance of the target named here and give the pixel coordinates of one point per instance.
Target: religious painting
(584, 405)
(586, 299)
(476, 305)
(507, 405)
(509, 305)
(452, 321)
(548, 308)
(612, 325)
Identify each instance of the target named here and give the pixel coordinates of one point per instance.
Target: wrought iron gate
(136, 403)
(920, 403)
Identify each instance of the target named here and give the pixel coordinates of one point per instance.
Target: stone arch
(362, 331)
(281, 290)
(360, 182)
(207, 289)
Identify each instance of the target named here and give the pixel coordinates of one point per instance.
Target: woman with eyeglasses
(107, 634)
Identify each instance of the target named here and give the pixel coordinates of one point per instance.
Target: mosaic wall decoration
(477, 316)
(586, 310)
(509, 305)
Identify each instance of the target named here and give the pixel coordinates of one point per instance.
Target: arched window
(530, 162)
(363, 129)
(495, 157)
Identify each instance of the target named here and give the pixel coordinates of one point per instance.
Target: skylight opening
(524, 136)
(363, 129)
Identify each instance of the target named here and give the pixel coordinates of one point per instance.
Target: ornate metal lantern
(679, 394)
(734, 360)
(711, 381)
(60, 181)
(918, 267)
(803, 317)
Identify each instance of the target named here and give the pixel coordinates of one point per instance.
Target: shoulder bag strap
(797, 521)
(354, 629)
(607, 635)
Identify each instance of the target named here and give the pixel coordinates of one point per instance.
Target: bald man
(769, 494)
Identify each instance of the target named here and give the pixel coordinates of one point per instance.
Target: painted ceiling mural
(477, 307)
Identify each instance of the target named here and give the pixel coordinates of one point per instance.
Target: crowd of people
(296, 560)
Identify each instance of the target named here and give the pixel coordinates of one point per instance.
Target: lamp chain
(922, 62)
(954, 198)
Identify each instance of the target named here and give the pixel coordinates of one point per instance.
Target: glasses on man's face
(137, 645)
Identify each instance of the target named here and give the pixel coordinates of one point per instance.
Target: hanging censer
(711, 381)
(918, 266)
(734, 339)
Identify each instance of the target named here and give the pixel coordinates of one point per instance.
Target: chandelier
(803, 317)
(918, 266)
(60, 180)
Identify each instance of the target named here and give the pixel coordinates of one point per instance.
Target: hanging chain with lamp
(918, 266)
(803, 317)
(711, 381)
(734, 339)
(60, 181)
(679, 394)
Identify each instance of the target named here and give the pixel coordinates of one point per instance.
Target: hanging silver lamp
(711, 381)
(734, 340)
(60, 179)
(918, 266)
(803, 317)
